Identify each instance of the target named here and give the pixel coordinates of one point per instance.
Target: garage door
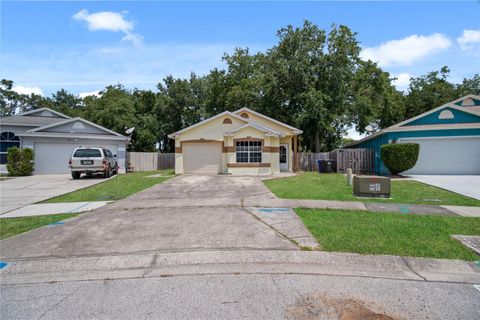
(202, 157)
(53, 157)
(447, 156)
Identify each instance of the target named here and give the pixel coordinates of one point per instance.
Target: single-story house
(243, 142)
(449, 139)
(53, 136)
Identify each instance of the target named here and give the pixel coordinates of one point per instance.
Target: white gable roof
(248, 122)
(245, 109)
(257, 126)
(225, 113)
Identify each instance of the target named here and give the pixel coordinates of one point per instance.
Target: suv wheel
(76, 175)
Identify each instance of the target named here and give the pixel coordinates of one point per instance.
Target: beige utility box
(371, 186)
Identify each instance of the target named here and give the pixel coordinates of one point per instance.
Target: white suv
(92, 160)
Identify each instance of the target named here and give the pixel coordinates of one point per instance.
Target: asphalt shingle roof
(29, 120)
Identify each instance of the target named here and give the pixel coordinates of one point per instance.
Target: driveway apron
(136, 224)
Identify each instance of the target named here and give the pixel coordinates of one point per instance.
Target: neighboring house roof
(34, 118)
(41, 110)
(471, 96)
(30, 121)
(71, 135)
(401, 126)
(75, 120)
(247, 122)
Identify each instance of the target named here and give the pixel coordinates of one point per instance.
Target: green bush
(399, 157)
(20, 161)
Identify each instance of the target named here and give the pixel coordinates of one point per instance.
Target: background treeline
(312, 79)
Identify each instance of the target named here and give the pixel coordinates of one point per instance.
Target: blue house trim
(450, 117)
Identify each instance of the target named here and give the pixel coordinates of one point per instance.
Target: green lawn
(13, 226)
(390, 233)
(312, 185)
(119, 187)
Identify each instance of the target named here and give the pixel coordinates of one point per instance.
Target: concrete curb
(158, 264)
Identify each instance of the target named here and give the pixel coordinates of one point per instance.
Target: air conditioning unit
(371, 186)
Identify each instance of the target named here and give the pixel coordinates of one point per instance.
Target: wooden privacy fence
(360, 160)
(150, 161)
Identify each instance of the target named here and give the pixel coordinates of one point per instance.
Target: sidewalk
(54, 208)
(266, 200)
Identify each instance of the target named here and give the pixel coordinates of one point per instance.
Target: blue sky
(84, 46)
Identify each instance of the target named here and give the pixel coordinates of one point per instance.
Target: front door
(284, 157)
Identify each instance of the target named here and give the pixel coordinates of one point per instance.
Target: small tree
(20, 161)
(399, 157)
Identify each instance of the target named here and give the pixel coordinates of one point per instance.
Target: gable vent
(468, 102)
(227, 121)
(244, 115)
(446, 114)
(78, 125)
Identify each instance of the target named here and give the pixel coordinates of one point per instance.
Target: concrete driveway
(146, 222)
(467, 185)
(21, 191)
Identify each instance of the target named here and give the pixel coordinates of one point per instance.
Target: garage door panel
(205, 158)
(447, 156)
(53, 157)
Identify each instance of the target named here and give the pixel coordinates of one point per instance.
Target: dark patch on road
(324, 307)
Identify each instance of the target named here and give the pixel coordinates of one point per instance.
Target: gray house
(53, 136)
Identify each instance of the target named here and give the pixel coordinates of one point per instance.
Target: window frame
(8, 137)
(250, 151)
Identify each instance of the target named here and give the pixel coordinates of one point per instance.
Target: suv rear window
(86, 153)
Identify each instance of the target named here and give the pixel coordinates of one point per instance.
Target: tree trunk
(317, 140)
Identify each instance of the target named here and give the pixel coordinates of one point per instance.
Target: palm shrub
(20, 161)
(399, 157)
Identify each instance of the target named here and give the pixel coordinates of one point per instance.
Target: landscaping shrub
(399, 157)
(20, 161)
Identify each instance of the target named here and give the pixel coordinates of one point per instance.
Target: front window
(249, 151)
(7, 140)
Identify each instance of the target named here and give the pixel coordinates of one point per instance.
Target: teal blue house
(449, 139)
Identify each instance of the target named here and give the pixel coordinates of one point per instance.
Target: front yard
(13, 226)
(333, 186)
(390, 233)
(119, 187)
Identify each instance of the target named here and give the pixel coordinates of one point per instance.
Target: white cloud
(407, 50)
(470, 40)
(95, 93)
(28, 90)
(135, 39)
(402, 80)
(110, 21)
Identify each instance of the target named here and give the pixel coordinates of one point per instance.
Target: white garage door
(447, 156)
(202, 157)
(53, 157)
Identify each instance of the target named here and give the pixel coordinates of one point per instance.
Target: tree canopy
(312, 79)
